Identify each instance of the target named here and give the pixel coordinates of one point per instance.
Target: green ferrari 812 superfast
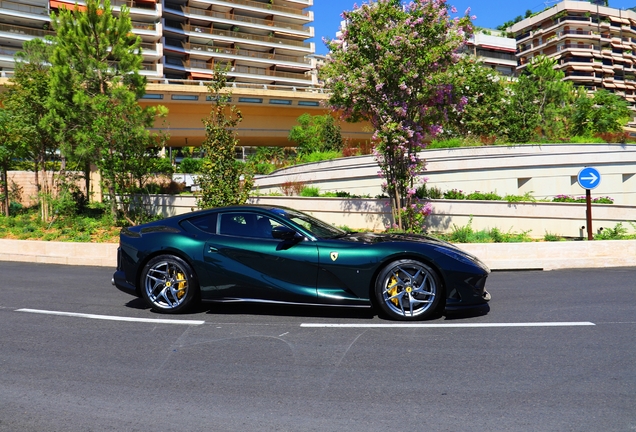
(268, 254)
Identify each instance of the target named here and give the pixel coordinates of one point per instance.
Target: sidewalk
(497, 256)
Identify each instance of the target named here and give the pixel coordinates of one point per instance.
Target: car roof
(195, 213)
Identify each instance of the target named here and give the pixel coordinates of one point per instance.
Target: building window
(250, 100)
(280, 101)
(308, 103)
(152, 96)
(214, 99)
(185, 97)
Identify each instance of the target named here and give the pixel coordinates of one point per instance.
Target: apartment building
(495, 50)
(262, 42)
(595, 46)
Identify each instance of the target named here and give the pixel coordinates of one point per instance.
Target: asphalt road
(258, 368)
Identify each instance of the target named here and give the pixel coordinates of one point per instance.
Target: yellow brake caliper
(393, 290)
(181, 286)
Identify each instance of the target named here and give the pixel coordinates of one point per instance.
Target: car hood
(376, 238)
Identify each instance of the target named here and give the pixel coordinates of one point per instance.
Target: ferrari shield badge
(334, 256)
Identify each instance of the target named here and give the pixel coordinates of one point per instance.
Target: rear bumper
(119, 280)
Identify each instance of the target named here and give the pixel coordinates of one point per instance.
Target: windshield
(315, 226)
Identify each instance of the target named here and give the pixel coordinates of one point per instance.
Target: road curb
(498, 256)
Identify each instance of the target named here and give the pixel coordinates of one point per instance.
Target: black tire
(408, 290)
(168, 284)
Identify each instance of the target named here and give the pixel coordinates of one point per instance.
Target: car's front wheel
(168, 284)
(408, 290)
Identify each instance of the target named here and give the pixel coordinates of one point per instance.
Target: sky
(489, 13)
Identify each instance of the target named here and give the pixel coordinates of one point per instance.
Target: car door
(244, 261)
(346, 271)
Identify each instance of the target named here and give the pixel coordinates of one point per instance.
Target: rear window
(206, 223)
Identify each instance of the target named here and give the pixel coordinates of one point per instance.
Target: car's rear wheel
(168, 284)
(408, 290)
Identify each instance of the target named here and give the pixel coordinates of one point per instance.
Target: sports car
(259, 253)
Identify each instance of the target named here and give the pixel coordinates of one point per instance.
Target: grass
(27, 226)
(466, 234)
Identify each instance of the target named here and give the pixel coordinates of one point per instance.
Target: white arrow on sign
(592, 179)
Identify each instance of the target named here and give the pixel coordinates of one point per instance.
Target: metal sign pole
(588, 201)
(588, 179)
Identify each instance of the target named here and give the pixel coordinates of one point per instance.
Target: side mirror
(282, 232)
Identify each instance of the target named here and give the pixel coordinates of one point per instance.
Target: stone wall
(25, 181)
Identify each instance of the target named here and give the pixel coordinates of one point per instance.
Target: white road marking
(112, 318)
(453, 325)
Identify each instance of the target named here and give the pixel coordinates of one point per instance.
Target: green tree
(390, 67)
(540, 103)
(27, 99)
(11, 148)
(128, 153)
(317, 133)
(483, 88)
(224, 180)
(599, 113)
(94, 89)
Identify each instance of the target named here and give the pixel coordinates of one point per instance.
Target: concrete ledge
(498, 256)
(69, 253)
(555, 255)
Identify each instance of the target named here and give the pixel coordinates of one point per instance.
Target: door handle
(212, 249)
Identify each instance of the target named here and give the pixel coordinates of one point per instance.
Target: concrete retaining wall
(542, 171)
(498, 256)
(537, 219)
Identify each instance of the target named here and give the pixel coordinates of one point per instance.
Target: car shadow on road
(287, 310)
(301, 311)
(468, 313)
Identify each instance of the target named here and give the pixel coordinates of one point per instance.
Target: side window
(264, 227)
(206, 223)
(235, 224)
(246, 225)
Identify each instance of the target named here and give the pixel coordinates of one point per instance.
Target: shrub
(319, 156)
(446, 143)
(587, 140)
(191, 166)
(425, 192)
(454, 194)
(487, 196)
(290, 188)
(527, 197)
(619, 232)
(582, 199)
(310, 191)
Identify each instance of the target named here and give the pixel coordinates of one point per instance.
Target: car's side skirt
(246, 300)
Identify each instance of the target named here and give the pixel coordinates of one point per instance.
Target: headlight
(459, 256)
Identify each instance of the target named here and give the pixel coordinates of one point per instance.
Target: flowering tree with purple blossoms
(390, 66)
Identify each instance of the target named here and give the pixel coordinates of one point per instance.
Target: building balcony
(255, 74)
(24, 10)
(581, 48)
(580, 77)
(139, 9)
(235, 37)
(265, 25)
(268, 8)
(147, 30)
(579, 34)
(152, 51)
(23, 33)
(265, 58)
(151, 69)
(7, 57)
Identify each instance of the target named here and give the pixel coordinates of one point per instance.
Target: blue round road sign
(589, 178)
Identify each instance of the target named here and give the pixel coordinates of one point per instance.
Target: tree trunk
(5, 185)
(87, 179)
